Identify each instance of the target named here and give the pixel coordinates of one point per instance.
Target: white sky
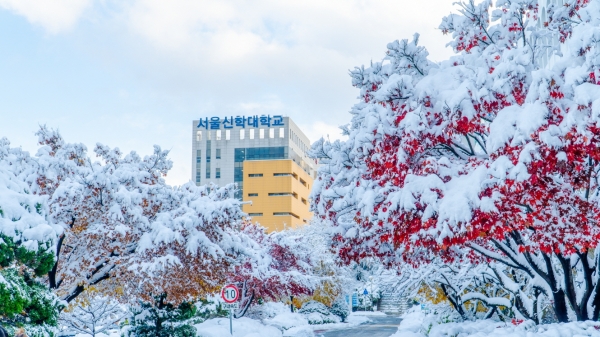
(131, 74)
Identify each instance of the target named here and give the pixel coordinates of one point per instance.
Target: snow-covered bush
(26, 303)
(161, 319)
(287, 320)
(317, 313)
(93, 314)
(267, 310)
(340, 308)
(207, 309)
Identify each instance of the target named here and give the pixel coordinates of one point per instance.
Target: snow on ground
(284, 324)
(351, 321)
(287, 320)
(368, 313)
(109, 333)
(417, 324)
(242, 327)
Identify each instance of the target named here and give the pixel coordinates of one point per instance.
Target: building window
(227, 134)
(255, 214)
(286, 214)
(301, 181)
(218, 135)
(208, 135)
(208, 151)
(271, 133)
(295, 195)
(251, 133)
(295, 176)
(198, 166)
(218, 173)
(261, 133)
(218, 154)
(280, 194)
(253, 194)
(255, 175)
(303, 201)
(282, 174)
(239, 155)
(242, 134)
(198, 136)
(281, 133)
(263, 153)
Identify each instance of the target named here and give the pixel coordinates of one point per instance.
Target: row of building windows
(219, 134)
(198, 166)
(302, 181)
(296, 139)
(276, 214)
(199, 172)
(282, 194)
(259, 153)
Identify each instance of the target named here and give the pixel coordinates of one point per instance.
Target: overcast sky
(134, 73)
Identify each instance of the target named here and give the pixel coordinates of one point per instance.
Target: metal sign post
(230, 294)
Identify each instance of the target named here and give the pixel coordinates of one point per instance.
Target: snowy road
(381, 326)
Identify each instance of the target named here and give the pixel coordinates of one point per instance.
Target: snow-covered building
(266, 156)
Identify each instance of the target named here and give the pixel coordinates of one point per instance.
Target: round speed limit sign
(230, 293)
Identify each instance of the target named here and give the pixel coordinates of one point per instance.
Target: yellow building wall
(298, 182)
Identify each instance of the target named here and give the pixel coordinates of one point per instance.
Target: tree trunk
(455, 301)
(560, 306)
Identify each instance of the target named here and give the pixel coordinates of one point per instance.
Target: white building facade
(221, 144)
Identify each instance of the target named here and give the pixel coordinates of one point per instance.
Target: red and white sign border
(237, 292)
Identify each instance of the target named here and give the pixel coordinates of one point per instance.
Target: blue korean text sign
(215, 123)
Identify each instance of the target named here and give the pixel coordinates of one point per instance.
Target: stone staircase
(391, 302)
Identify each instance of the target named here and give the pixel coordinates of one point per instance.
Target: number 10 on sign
(230, 294)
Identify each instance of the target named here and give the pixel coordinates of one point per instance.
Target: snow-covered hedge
(318, 313)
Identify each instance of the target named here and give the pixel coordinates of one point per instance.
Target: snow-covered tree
(492, 153)
(160, 318)
(273, 267)
(27, 304)
(26, 251)
(116, 218)
(340, 308)
(93, 315)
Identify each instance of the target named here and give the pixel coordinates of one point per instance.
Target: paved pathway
(381, 326)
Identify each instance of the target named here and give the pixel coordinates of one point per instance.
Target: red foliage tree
(275, 266)
(493, 152)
